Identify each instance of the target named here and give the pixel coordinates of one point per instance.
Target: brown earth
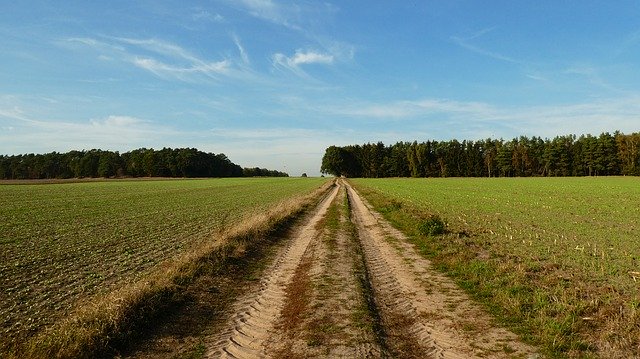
(344, 284)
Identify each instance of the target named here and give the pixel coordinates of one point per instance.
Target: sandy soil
(357, 289)
(255, 322)
(346, 284)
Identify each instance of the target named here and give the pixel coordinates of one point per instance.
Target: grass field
(62, 244)
(557, 258)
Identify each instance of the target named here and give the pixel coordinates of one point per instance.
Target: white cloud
(166, 60)
(170, 71)
(160, 47)
(592, 75)
(451, 118)
(243, 52)
(406, 109)
(301, 57)
(265, 133)
(292, 150)
(494, 55)
(537, 77)
(14, 112)
(118, 121)
(202, 15)
(272, 11)
(92, 43)
(112, 132)
(466, 43)
(310, 57)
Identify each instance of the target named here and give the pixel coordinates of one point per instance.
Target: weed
(432, 226)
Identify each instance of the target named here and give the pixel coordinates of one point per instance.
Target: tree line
(143, 162)
(569, 155)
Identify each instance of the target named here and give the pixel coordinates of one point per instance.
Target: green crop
(558, 256)
(62, 243)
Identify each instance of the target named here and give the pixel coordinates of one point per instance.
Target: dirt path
(349, 285)
(252, 327)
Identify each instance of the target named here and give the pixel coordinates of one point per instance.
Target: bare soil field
(345, 284)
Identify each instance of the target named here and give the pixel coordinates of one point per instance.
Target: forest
(143, 162)
(605, 155)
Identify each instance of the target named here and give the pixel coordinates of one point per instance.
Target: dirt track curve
(349, 285)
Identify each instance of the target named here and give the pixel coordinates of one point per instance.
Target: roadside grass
(113, 319)
(552, 259)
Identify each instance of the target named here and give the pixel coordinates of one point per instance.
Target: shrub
(432, 226)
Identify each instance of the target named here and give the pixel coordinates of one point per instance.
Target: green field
(61, 244)
(557, 258)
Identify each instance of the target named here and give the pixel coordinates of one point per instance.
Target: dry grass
(116, 316)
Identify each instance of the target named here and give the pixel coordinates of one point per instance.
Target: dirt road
(349, 285)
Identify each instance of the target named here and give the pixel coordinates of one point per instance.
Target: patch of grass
(197, 352)
(432, 226)
(297, 300)
(550, 258)
(319, 332)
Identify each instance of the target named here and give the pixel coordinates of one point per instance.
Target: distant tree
(109, 164)
(262, 172)
(504, 158)
(304, 175)
(179, 162)
(629, 153)
(337, 161)
(607, 152)
(523, 156)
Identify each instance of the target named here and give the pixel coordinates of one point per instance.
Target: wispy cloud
(112, 132)
(166, 60)
(494, 55)
(406, 109)
(204, 15)
(537, 76)
(592, 75)
(14, 113)
(467, 43)
(310, 57)
(265, 133)
(243, 52)
(293, 150)
(183, 73)
(293, 63)
(272, 11)
(93, 43)
(454, 116)
(184, 62)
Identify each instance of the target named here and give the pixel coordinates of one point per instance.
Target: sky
(273, 83)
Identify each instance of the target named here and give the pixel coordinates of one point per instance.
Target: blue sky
(272, 83)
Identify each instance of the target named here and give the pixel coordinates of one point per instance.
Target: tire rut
(256, 315)
(335, 321)
(358, 289)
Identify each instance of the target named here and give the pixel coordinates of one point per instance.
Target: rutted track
(258, 313)
(356, 288)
